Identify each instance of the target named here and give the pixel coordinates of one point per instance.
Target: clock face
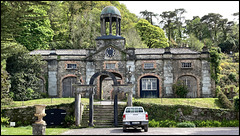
(110, 52)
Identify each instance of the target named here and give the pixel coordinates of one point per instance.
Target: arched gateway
(115, 83)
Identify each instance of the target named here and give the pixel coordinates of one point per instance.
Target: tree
(148, 16)
(24, 73)
(212, 20)
(133, 40)
(215, 59)
(16, 13)
(85, 29)
(152, 36)
(5, 86)
(194, 43)
(167, 21)
(179, 20)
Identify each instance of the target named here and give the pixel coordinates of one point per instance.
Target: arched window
(68, 89)
(149, 87)
(191, 84)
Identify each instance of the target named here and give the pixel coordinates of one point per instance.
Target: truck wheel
(124, 129)
(146, 128)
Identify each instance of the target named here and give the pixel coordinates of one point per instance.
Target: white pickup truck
(135, 117)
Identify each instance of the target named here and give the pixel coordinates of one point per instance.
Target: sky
(193, 8)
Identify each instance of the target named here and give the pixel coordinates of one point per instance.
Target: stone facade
(154, 70)
(166, 68)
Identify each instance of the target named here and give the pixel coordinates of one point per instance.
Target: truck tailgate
(135, 117)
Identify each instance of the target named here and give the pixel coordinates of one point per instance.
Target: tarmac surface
(155, 131)
(151, 131)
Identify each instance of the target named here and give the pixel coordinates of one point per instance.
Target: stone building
(154, 70)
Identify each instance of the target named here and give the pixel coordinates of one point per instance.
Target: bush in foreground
(186, 124)
(195, 123)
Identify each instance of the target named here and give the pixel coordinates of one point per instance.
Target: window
(149, 84)
(71, 66)
(186, 65)
(134, 110)
(110, 65)
(148, 66)
(187, 82)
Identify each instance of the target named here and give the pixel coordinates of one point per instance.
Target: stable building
(154, 70)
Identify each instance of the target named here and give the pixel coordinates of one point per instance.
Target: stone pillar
(39, 127)
(129, 102)
(91, 108)
(101, 21)
(104, 26)
(117, 26)
(52, 76)
(77, 108)
(110, 25)
(115, 109)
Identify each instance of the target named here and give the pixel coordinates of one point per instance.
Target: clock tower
(110, 19)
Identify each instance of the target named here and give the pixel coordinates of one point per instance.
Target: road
(155, 131)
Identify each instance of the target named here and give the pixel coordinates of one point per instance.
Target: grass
(27, 130)
(212, 103)
(46, 101)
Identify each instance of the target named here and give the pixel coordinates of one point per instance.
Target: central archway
(91, 97)
(103, 73)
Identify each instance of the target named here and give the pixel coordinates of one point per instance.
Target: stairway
(103, 115)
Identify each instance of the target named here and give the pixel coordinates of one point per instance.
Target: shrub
(4, 121)
(167, 123)
(153, 123)
(236, 103)
(218, 89)
(224, 100)
(230, 123)
(233, 76)
(214, 123)
(186, 124)
(180, 89)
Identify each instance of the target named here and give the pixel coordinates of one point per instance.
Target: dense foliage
(195, 123)
(76, 24)
(152, 36)
(224, 100)
(24, 70)
(236, 103)
(5, 86)
(180, 89)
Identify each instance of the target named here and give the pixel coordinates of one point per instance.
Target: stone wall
(25, 115)
(186, 113)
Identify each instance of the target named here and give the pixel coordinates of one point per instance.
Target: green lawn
(46, 101)
(198, 102)
(212, 103)
(28, 130)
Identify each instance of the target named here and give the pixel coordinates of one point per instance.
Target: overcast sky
(193, 8)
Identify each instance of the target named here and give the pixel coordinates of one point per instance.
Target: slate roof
(138, 51)
(182, 51)
(161, 51)
(61, 52)
(149, 51)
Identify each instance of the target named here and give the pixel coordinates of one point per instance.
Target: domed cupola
(109, 15)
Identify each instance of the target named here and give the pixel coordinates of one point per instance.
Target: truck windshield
(134, 110)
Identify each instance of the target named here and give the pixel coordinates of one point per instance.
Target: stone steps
(103, 115)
